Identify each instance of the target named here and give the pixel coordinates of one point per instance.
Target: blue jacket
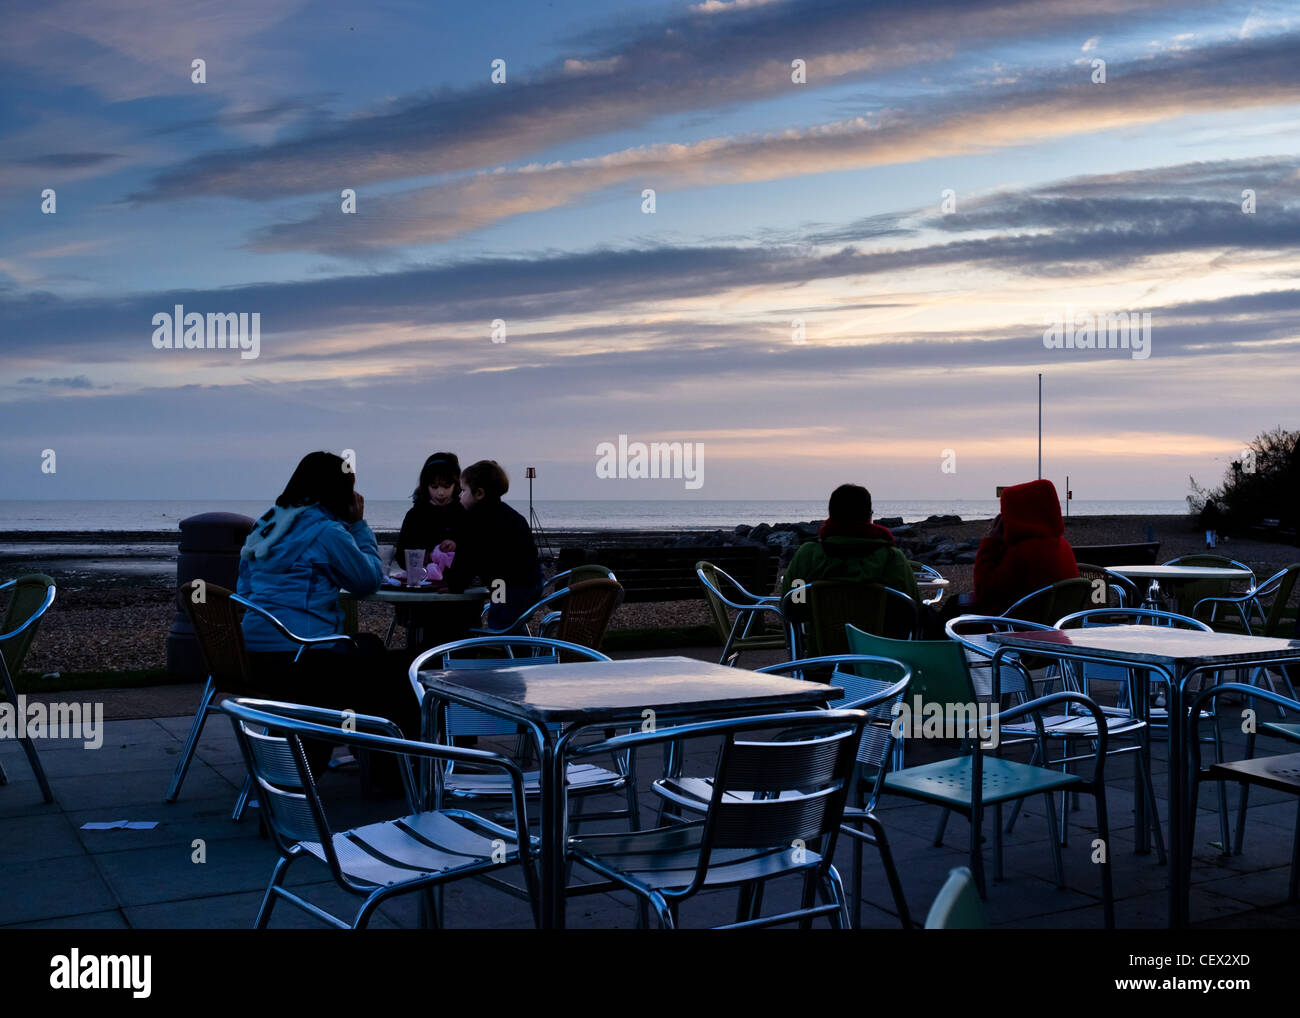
(294, 563)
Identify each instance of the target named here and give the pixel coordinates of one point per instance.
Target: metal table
(557, 702)
(1175, 656)
(470, 602)
(1177, 574)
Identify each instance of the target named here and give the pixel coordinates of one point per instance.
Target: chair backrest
(1277, 610)
(792, 788)
(871, 684)
(1187, 592)
(282, 777)
(940, 673)
(587, 611)
(29, 597)
(1014, 676)
(1116, 591)
(1047, 604)
(707, 573)
(541, 651)
(825, 607)
(957, 906)
(1129, 617)
(216, 621)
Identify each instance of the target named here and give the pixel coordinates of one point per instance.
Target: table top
(1182, 572)
(430, 595)
(1159, 645)
(595, 691)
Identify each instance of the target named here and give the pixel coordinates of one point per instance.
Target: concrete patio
(56, 875)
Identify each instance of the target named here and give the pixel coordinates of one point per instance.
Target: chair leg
(976, 847)
(833, 888)
(891, 871)
(808, 899)
(855, 884)
(241, 802)
(4, 778)
(1054, 833)
(943, 823)
(37, 769)
(1103, 832)
(1245, 797)
(1225, 836)
(1153, 814)
(192, 743)
(268, 900)
(1293, 891)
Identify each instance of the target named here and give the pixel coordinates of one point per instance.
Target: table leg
(552, 905)
(1139, 691)
(1177, 839)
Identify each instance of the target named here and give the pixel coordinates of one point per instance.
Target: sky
(813, 242)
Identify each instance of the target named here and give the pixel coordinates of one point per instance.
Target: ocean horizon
(552, 514)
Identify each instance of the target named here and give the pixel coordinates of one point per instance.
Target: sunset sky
(775, 202)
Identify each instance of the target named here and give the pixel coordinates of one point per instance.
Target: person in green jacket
(850, 547)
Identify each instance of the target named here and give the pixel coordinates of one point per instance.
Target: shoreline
(117, 597)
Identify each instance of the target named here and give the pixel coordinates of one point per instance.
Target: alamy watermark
(38, 720)
(679, 460)
(1110, 330)
(935, 720)
(181, 330)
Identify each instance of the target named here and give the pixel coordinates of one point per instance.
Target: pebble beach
(112, 615)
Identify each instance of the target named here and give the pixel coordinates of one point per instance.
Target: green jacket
(865, 559)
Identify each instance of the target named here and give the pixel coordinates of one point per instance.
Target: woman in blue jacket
(310, 544)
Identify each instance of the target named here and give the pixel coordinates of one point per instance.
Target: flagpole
(1040, 425)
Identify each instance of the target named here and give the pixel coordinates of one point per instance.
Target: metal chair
(1276, 590)
(1049, 603)
(941, 676)
(416, 852)
(582, 780)
(816, 614)
(957, 906)
(1158, 714)
(1279, 773)
(774, 810)
(1065, 728)
(922, 573)
(215, 613)
(30, 598)
(586, 614)
(1188, 593)
(749, 608)
(1117, 591)
(874, 693)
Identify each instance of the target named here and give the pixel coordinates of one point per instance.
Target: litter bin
(209, 551)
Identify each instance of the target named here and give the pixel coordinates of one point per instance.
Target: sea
(550, 514)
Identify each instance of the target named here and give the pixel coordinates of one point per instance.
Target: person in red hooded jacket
(1024, 550)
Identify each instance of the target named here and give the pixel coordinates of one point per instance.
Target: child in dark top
(496, 543)
(435, 518)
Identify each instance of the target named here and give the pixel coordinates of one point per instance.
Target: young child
(436, 515)
(496, 543)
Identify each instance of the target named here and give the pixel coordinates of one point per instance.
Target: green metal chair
(816, 614)
(941, 676)
(722, 592)
(957, 906)
(30, 598)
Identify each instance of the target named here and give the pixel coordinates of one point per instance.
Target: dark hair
(322, 479)
(850, 503)
(441, 466)
(488, 475)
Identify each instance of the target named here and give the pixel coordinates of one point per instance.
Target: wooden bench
(1107, 555)
(668, 574)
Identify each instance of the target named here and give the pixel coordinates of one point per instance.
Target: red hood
(875, 530)
(1031, 510)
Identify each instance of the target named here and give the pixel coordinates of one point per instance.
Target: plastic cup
(414, 566)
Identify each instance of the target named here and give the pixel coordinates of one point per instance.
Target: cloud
(1219, 78)
(690, 63)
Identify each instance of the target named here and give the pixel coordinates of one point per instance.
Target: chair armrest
(304, 642)
(33, 618)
